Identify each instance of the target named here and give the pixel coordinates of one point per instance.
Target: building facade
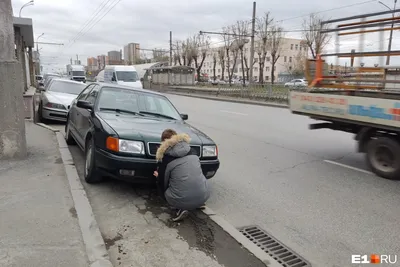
(291, 49)
(131, 53)
(114, 55)
(92, 64)
(102, 61)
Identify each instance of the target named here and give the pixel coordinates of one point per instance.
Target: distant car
(56, 99)
(119, 129)
(296, 83)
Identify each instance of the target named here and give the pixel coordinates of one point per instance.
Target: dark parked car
(119, 129)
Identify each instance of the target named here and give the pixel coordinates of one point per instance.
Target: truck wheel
(383, 157)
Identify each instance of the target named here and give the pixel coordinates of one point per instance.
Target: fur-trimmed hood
(182, 139)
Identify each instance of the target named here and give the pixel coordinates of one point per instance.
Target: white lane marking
(348, 167)
(232, 112)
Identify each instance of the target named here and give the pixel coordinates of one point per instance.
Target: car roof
(117, 86)
(66, 81)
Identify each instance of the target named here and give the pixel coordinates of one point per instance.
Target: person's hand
(155, 173)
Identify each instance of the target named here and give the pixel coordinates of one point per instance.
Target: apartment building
(131, 53)
(92, 64)
(102, 61)
(114, 55)
(286, 62)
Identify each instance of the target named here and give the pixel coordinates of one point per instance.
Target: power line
(94, 17)
(97, 21)
(98, 9)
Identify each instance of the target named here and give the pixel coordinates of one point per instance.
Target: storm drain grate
(277, 250)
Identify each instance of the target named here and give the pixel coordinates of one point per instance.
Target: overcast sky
(149, 22)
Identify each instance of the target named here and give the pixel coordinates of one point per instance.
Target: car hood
(137, 84)
(149, 129)
(60, 98)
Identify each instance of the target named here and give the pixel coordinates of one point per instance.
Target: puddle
(111, 241)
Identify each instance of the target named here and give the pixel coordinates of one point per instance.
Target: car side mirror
(184, 117)
(113, 79)
(84, 104)
(141, 79)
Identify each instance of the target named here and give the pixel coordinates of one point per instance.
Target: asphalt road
(279, 175)
(309, 189)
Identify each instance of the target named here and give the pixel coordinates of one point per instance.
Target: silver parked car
(56, 98)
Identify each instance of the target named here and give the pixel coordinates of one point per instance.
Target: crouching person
(179, 175)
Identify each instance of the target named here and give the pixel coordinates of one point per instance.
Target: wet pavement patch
(111, 241)
(73, 212)
(200, 232)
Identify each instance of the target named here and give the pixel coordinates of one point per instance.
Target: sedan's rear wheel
(91, 173)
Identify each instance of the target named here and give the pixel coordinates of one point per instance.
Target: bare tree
(177, 53)
(240, 30)
(314, 39)
(215, 56)
(275, 43)
(200, 44)
(264, 24)
(297, 66)
(187, 51)
(227, 38)
(221, 58)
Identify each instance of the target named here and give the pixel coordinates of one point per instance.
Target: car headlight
(55, 105)
(125, 146)
(210, 151)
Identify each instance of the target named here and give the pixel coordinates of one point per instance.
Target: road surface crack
(294, 166)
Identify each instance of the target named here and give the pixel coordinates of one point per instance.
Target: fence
(265, 92)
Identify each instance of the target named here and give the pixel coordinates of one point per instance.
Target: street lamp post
(37, 49)
(30, 3)
(391, 30)
(37, 42)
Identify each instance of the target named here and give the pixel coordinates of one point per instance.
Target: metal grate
(277, 250)
(153, 146)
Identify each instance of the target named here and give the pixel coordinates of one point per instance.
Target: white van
(123, 75)
(100, 76)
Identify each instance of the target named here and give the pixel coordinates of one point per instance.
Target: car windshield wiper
(122, 111)
(157, 114)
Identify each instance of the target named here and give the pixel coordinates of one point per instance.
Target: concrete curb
(95, 246)
(47, 127)
(241, 239)
(216, 98)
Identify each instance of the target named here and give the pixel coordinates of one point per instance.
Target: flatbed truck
(372, 116)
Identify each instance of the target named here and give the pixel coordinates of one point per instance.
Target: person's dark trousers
(160, 189)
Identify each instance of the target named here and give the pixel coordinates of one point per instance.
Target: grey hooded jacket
(180, 174)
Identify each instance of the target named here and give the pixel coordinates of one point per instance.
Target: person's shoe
(180, 215)
(202, 207)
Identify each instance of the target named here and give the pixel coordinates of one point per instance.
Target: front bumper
(117, 166)
(54, 114)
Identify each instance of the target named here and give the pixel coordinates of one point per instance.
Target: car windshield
(147, 104)
(78, 73)
(67, 87)
(127, 76)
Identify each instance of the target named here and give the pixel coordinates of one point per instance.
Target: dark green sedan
(119, 129)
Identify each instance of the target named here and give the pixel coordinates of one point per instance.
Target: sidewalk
(38, 224)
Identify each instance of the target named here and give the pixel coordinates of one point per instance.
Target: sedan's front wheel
(91, 173)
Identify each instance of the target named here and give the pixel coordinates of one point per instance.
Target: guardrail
(268, 93)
